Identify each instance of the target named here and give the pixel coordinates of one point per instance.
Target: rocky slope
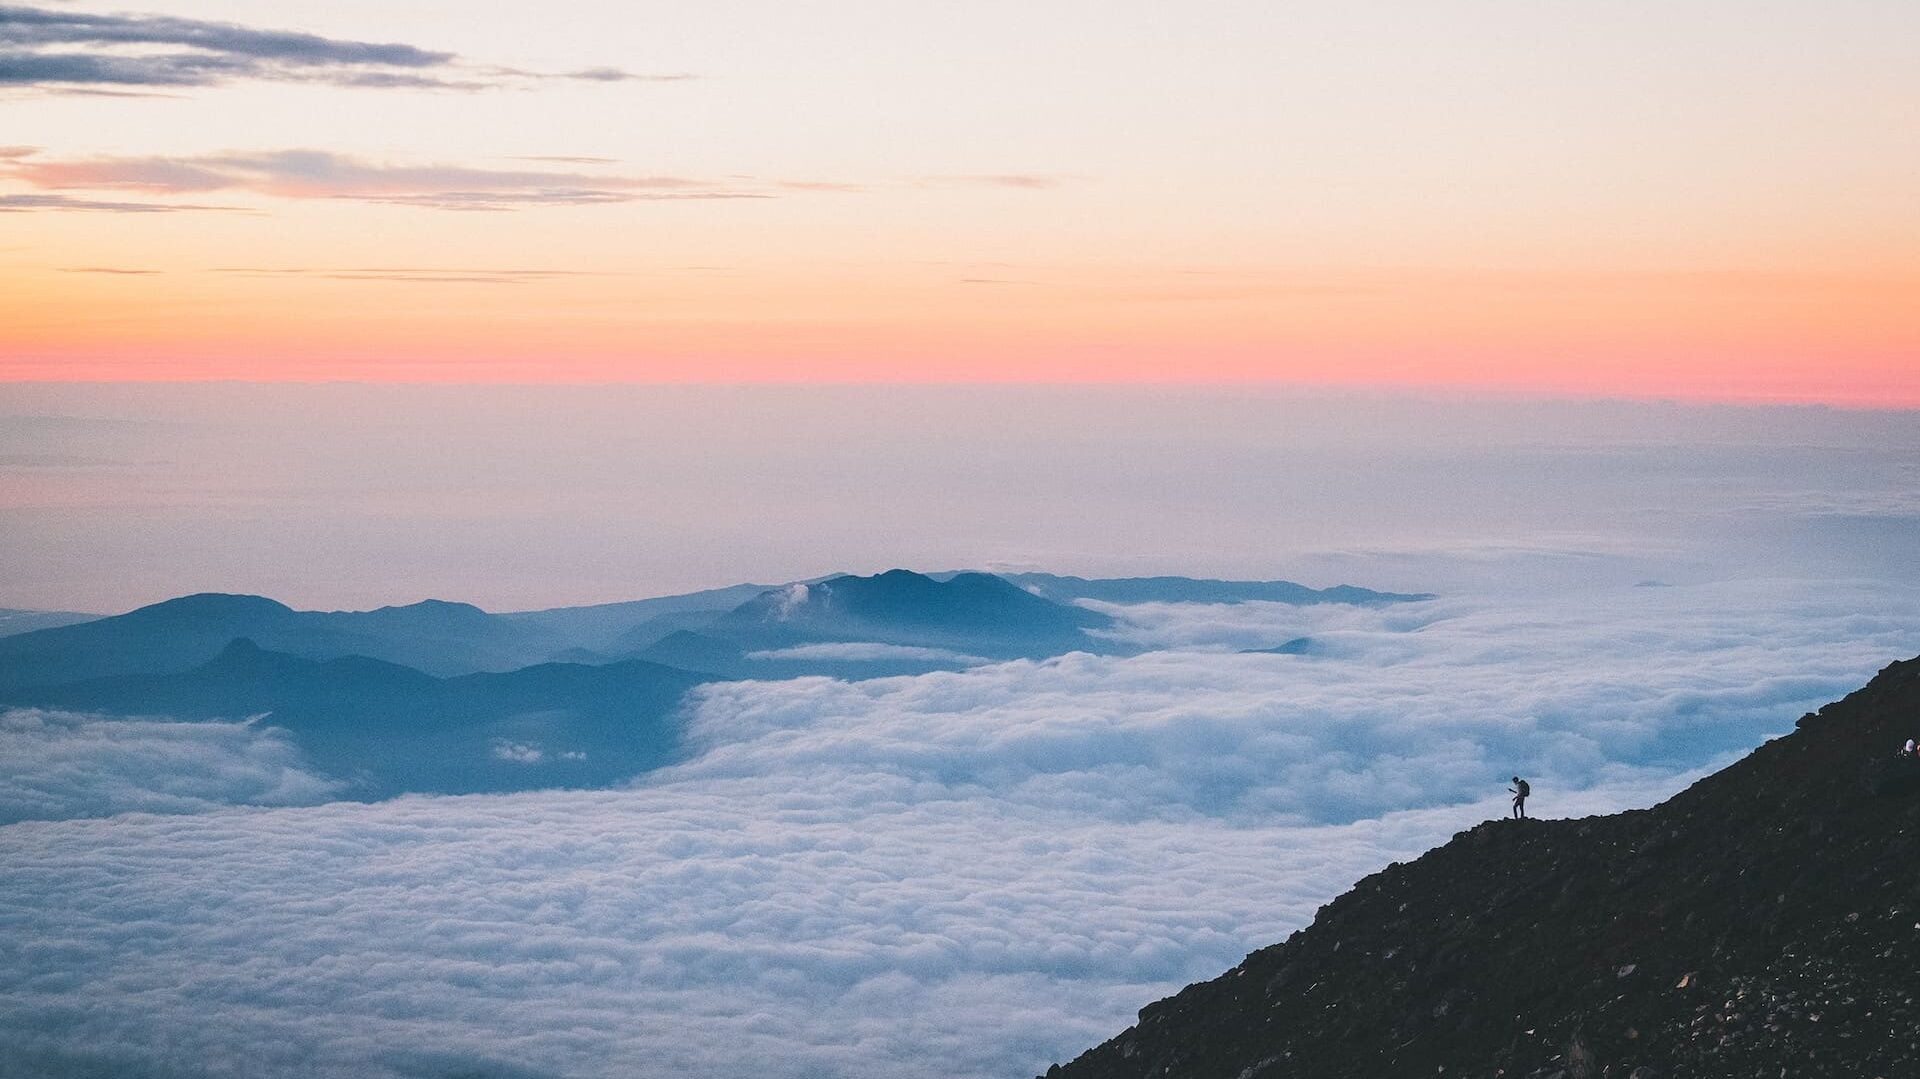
(1765, 922)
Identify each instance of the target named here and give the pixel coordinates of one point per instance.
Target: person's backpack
(1523, 790)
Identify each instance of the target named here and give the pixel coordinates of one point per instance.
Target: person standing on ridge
(1520, 791)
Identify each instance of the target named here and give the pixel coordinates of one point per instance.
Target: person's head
(1516, 779)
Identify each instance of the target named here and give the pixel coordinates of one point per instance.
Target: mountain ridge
(1173, 589)
(437, 636)
(909, 623)
(892, 623)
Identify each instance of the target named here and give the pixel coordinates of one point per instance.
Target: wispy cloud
(29, 203)
(567, 159)
(71, 51)
(110, 270)
(823, 185)
(613, 74)
(513, 200)
(418, 274)
(1032, 181)
(321, 174)
(324, 174)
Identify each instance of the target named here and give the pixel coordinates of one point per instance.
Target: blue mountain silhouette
(389, 728)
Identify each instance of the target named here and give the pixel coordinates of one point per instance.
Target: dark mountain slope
(1764, 922)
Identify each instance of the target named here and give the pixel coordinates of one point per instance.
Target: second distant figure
(1520, 791)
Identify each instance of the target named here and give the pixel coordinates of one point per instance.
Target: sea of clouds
(970, 873)
(58, 765)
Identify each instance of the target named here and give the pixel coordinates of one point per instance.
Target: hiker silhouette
(1520, 791)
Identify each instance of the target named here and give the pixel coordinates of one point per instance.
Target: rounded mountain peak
(213, 605)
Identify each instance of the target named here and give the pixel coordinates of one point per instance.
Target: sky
(350, 496)
(1701, 200)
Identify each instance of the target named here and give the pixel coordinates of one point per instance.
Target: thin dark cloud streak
(510, 271)
(566, 159)
(614, 74)
(79, 52)
(592, 74)
(499, 202)
(1029, 181)
(38, 26)
(411, 274)
(13, 204)
(825, 185)
(429, 279)
(305, 173)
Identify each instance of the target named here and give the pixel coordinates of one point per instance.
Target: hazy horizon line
(1424, 391)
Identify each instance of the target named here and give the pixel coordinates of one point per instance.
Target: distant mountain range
(440, 696)
(387, 728)
(925, 622)
(435, 636)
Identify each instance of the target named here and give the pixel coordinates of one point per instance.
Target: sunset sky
(1702, 200)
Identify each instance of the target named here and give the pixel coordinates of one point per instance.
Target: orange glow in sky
(1648, 203)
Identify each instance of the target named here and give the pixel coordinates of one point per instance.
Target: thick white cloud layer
(701, 932)
(1415, 705)
(954, 874)
(57, 765)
